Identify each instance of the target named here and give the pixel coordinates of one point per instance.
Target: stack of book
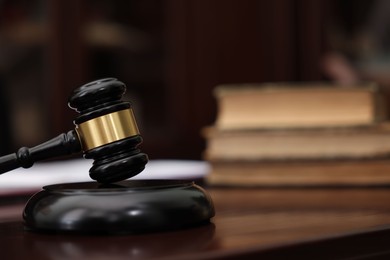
(297, 135)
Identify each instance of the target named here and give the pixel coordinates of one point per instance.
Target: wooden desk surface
(306, 223)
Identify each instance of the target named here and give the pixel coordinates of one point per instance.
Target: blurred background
(171, 54)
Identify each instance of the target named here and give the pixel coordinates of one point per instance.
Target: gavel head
(107, 130)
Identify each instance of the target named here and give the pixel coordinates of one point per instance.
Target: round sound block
(133, 206)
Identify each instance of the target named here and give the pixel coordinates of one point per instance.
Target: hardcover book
(304, 143)
(284, 105)
(299, 134)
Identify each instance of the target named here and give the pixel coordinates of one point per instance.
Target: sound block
(133, 206)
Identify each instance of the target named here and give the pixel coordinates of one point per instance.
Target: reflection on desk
(49, 246)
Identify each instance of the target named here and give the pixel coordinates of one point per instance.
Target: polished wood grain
(265, 218)
(272, 223)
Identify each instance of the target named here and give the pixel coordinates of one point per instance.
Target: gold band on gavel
(107, 129)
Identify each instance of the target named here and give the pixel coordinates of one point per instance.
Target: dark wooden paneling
(206, 43)
(227, 41)
(66, 60)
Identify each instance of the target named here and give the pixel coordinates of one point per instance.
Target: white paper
(77, 170)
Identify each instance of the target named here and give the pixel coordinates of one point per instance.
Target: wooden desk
(304, 223)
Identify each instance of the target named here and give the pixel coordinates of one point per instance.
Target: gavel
(105, 131)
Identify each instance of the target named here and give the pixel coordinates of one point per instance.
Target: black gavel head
(107, 130)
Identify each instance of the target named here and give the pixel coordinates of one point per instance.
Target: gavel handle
(64, 144)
